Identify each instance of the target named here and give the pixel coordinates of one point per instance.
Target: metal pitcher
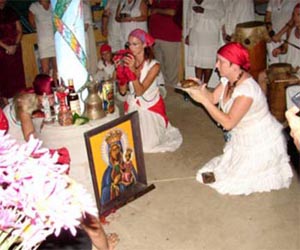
(93, 104)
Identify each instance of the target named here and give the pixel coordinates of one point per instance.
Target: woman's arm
(26, 125)
(144, 12)
(19, 33)
(239, 108)
(118, 12)
(31, 18)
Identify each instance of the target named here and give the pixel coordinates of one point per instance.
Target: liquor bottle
(73, 98)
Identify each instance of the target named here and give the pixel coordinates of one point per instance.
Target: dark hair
(149, 53)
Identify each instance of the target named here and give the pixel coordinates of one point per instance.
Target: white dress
(237, 11)
(44, 29)
(157, 134)
(113, 26)
(204, 33)
(255, 159)
(132, 9)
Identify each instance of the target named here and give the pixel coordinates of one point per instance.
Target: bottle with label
(46, 108)
(73, 98)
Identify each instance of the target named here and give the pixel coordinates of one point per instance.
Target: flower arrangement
(37, 197)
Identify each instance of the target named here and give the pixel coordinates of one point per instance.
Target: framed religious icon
(116, 162)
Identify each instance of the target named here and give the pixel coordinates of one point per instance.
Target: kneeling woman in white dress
(158, 135)
(255, 157)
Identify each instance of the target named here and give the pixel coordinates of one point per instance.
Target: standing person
(292, 56)
(158, 135)
(12, 78)
(165, 25)
(277, 17)
(110, 27)
(255, 155)
(40, 17)
(203, 31)
(236, 11)
(131, 14)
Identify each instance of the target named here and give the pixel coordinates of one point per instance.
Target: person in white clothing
(292, 55)
(277, 16)
(255, 156)
(131, 14)
(236, 11)
(105, 66)
(203, 35)
(158, 135)
(110, 27)
(40, 17)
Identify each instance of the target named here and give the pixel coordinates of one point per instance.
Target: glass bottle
(65, 117)
(73, 98)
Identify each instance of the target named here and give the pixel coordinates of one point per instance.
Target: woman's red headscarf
(43, 83)
(143, 36)
(236, 53)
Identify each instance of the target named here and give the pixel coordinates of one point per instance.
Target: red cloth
(12, 78)
(143, 36)
(105, 47)
(236, 53)
(123, 73)
(64, 156)
(3, 121)
(43, 83)
(158, 108)
(165, 27)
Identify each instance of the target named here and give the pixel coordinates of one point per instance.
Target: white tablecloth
(72, 137)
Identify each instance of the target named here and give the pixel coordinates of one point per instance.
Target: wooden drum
(253, 35)
(280, 75)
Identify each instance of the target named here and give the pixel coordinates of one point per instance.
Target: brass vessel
(93, 104)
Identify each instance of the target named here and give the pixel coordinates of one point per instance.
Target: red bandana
(236, 53)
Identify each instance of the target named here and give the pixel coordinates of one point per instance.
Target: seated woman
(255, 156)
(20, 112)
(158, 135)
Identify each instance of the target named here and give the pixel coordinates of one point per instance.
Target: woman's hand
(129, 61)
(11, 50)
(276, 52)
(198, 93)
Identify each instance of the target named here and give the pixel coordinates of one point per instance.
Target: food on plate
(187, 83)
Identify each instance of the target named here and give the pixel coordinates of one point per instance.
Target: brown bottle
(73, 98)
